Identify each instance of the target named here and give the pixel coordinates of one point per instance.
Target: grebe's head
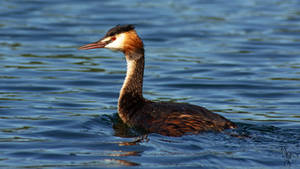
(121, 38)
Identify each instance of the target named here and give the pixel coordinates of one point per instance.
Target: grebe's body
(166, 118)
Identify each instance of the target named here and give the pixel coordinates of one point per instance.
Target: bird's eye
(113, 38)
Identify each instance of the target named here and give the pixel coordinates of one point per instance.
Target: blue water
(240, 59)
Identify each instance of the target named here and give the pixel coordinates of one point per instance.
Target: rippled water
(238, 58)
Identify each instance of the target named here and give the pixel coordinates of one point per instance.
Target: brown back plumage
(175, 119)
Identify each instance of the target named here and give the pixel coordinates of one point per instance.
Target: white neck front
(132, 88)
(129, 73)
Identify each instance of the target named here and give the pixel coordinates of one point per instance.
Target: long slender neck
(131, 94)
(133, 83)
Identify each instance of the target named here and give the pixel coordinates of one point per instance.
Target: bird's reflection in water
(114, 162)
(123, 130)
(134, 137)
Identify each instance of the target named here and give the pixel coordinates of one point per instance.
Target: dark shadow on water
(114, 126)
(122, 141)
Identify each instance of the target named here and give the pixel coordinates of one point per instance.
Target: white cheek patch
(106, 39)
(116, 44)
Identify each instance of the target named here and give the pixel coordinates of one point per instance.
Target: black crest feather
(119, 29)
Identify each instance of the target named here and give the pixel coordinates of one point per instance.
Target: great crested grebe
(165, 118)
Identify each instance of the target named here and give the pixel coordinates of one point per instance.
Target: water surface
(58, 105)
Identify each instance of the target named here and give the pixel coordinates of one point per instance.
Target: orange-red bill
(93, 46)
